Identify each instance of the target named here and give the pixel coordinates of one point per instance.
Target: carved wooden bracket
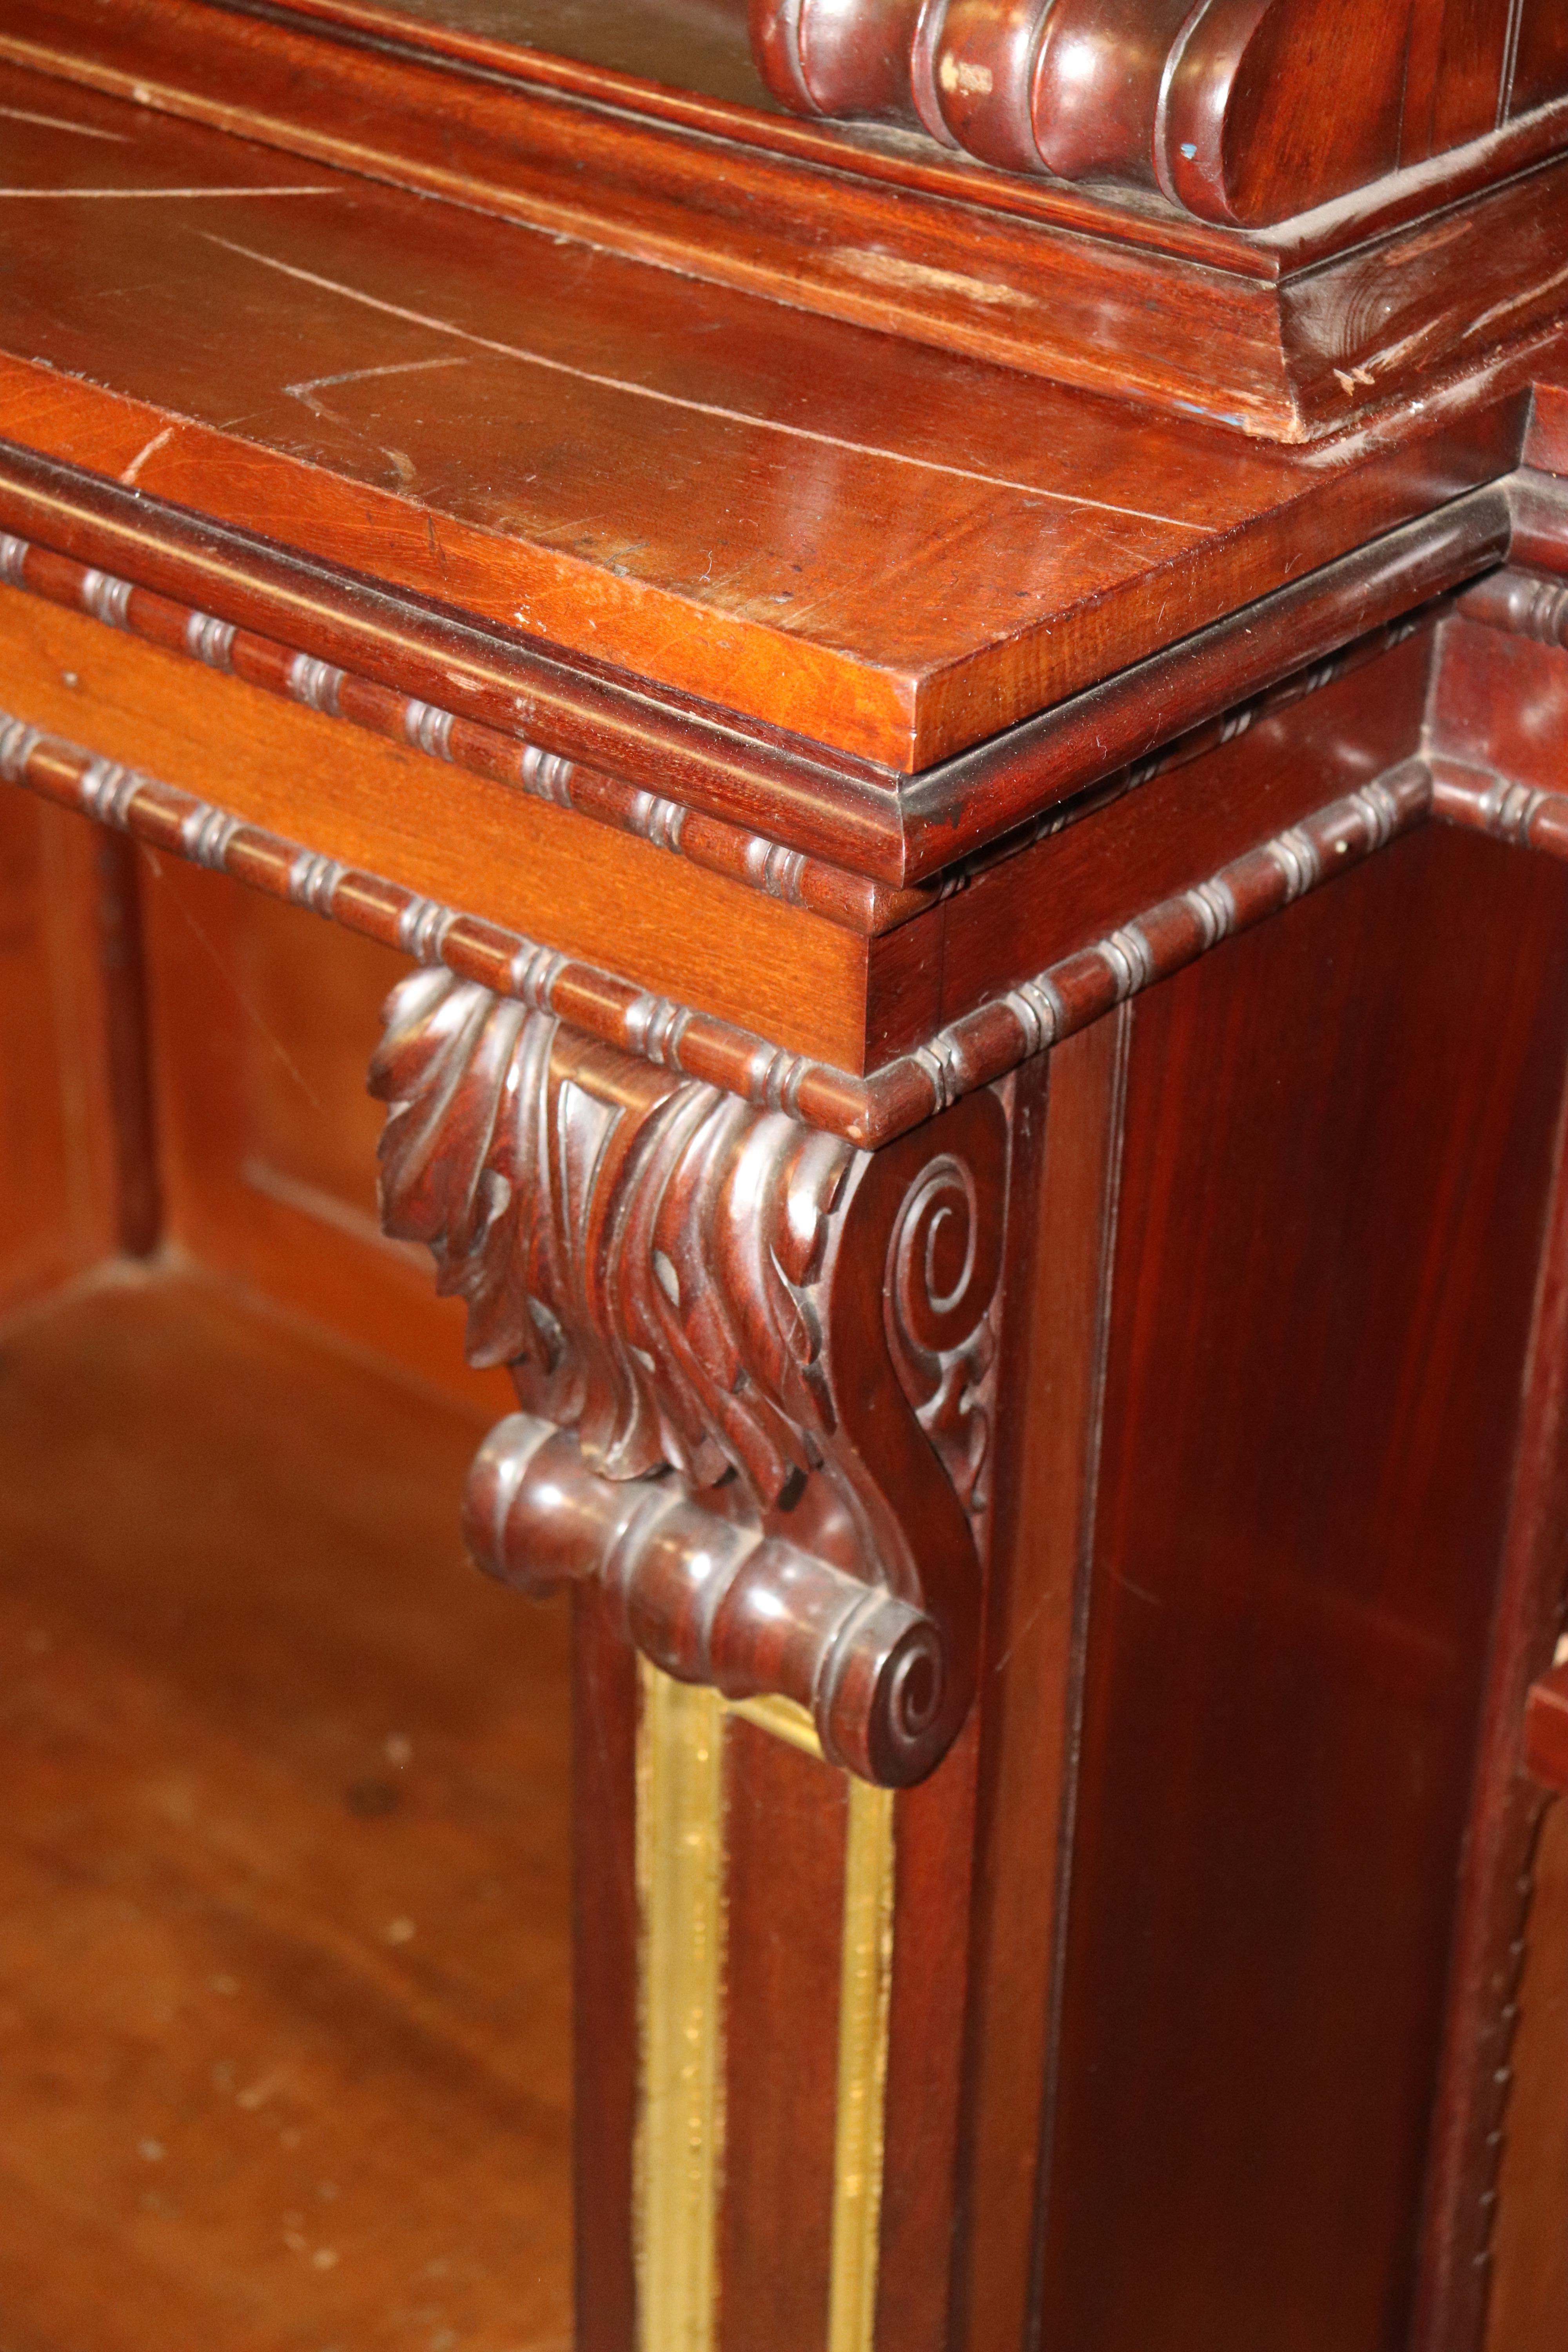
(754, 1361)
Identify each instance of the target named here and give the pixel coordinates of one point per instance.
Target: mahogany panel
(1541, 57)
(934, 1850)
(1530, 2244)
(1065, 1155)
(1324, 1289)
(785, 1820)
(1457, 73)
(263, 1024)
(67, 1175)
(1047, 901)
(1503, 698)
(33, 1143)
(1546, 1730)
(1502, 1827)
(461, 838)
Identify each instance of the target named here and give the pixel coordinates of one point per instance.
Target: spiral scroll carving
(942, 1268)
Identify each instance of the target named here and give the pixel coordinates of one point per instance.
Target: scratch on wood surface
(695, 407)
(132, 195)
(139, 459)
(891, 270)
(308, 389)
(59, 122)
(1515, 303)
(400, 461)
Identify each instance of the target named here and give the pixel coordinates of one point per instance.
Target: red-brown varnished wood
(510, 398)
(1066, 1156)
(1022, 912)
(784, 1827)
(1458, 70)
(1248, 130)
(502, 754)
(1018, 268)
(1530, 2247)
(1096, 85)
(34, 1133)
(1322, 1306)
(284, 1943)
(862, 819)
(66, 1184)
(461, 838)
(960, 1059)
(1472, 2108)
(1501, 697)
(933, 1845)
(1546, 1730)
(1245, 111)
(1540, 57)
(662, 744)
(117, 905)
(263, 1025)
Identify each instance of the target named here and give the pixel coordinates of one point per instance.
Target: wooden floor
(284, 2001)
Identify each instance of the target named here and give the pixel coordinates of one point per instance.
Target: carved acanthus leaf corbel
(752, 1360)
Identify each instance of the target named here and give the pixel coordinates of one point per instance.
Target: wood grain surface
(1323, 1301)
(463, 839)
(1066, 1166)
(284, 1953)
(784, 1832)
(1529, 2245)
(1105, 286)
(60, 1161)
(796, 536)
(263, 1024)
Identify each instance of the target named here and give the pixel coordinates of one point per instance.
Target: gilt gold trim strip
(681, 2120)
(864, 1999)
(680, 1861)
(783, 1719)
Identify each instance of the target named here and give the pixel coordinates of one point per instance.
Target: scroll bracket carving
(754, 1362)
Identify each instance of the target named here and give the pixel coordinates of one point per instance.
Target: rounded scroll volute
(943, 1266)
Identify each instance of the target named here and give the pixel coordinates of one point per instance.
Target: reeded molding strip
(1466, 793)
(984, 1045)
(855, 902)
(1521, 604)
